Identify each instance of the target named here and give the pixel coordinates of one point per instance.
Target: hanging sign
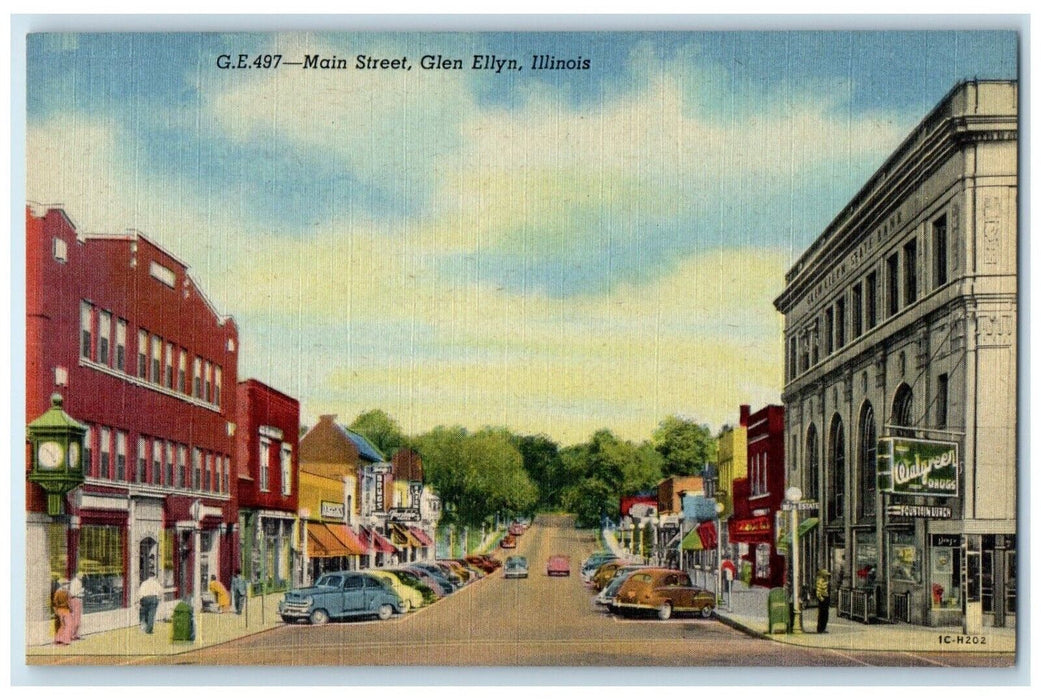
(918, 467)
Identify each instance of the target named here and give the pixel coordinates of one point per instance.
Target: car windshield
(329, 581)
(516, 562)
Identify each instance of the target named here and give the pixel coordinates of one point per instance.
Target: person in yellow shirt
(220, 593)
(823, 592)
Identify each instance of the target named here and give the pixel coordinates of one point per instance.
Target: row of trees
(494, 471)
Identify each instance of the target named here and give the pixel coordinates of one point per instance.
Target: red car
(558, 565)
(508, 542)
(516, 529)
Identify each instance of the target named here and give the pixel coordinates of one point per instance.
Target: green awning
(692, 542)
(807, 525)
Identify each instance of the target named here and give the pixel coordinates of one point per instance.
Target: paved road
(538, 621)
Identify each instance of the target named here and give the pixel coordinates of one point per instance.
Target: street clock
(56, 448)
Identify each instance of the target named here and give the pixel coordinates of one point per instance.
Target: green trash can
(183, 623)
(777, 610)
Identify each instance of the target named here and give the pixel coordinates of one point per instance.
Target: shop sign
(333, 510)
(403, 514)
(905, 510)
(918, 467)
(947, 540)
(415, 492)
(800, 505)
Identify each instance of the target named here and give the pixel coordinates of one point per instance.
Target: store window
(101, 561)
(762, 561)
(58, 554)
(167, 545)
(905, 559)
(945, 572)
(865, 559)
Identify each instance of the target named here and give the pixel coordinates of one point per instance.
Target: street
(538, 621)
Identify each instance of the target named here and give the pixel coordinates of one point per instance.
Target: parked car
(418, 580)
(516, 567)
(441, 570)
(485, 564)
(464, 574)
(508, 542)
(605, 572)
(666, 591)
(594, 562)
(340, 594)
(608, 592)
(558, 565)
(516, 529)
(411, 598)
(438, 585)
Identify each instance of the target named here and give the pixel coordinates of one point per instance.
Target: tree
(542, 464)
(381, 430)
(685, 446)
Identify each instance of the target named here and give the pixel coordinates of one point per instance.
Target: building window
(140, 475)
(105, 448)
(121, 455)
(941, 401)
(196, 468)
(207, 468)
(287, 475)
(811, 456)
(60, 250)
(227, 475)
(142, 354)
(858, 311)
(207, 373)
(217, 378)
(892, 284)
(104, 337)
(836, 468)
(940, 251)
(182, 371)
(903, 411)
(86, 324)
(157, 360)
(829, 331)
(871, 299)
(264, 459)
(157, 461)
(840, 323)
(121, 345)
(868, 455)
(103, 582)
(197, 378)
(792, 357)
(88, 452)
(168, 377)
(169, 464)
(911, 272)
(182, 465)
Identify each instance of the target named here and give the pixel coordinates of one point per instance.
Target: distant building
(901, 343)
(116, 325)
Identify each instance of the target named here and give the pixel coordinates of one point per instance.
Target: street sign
(800, 506)
(906, 510)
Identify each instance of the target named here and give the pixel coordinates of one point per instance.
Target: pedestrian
(60, 603)
(238, 591)
(148, 598)
(76, 603)
(220, 594)
(823, 592)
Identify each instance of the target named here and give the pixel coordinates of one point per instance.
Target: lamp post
(793, 495)
(720, 507)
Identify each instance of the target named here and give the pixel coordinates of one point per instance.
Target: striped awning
(347, 536)
(404, 537)
(376, 541)
(424, 538)
(321, 542)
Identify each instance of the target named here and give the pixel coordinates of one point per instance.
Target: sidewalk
(747, 612)
(210, 629)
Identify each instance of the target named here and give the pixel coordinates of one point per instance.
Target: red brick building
(115, 324)
(758, 497)
(267, 455)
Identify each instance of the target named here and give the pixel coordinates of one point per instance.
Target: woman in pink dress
(60, 602)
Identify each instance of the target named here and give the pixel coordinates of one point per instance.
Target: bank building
(900, 329)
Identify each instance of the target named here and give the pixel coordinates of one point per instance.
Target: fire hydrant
(183, 623)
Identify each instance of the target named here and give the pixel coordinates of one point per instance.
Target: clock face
(74, 456)
(50, 454)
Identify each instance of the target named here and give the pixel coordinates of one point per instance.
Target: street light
(720, 507)
(793, 495)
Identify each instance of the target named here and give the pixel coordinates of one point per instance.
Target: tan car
(605, 572)
(665, 591)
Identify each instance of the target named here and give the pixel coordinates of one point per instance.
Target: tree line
(493, 471)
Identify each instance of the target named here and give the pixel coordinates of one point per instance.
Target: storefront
(268, 558)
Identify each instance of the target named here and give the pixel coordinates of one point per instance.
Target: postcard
(514, 349)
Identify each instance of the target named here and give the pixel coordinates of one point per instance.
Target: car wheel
(385, 611)
(319, 617)
(706, 612)
(665, 611)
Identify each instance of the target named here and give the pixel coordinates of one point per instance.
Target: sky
(551, 251)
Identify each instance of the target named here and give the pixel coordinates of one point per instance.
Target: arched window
(867, 454)
(836, 468)
(903, 411)
(812, 456)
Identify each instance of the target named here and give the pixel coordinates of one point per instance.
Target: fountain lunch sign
(918, 467)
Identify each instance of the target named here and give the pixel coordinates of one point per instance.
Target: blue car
(338, 595)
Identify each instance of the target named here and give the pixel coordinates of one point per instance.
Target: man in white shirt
(148, 597)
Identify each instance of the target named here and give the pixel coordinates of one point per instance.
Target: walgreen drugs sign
(917, 467)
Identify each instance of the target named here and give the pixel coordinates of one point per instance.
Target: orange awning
(405, 537)
(424, 538)
(347, 537)
(321, 542)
